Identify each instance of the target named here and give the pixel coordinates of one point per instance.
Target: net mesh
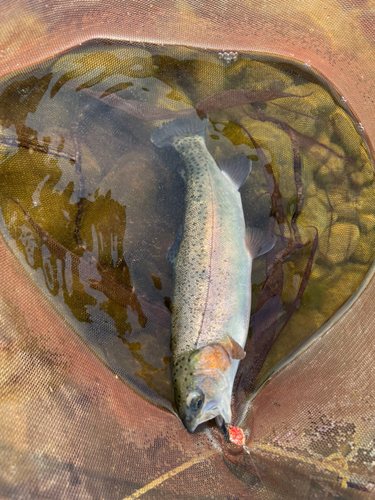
(70, 426)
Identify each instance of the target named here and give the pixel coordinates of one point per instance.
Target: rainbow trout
(211, 258)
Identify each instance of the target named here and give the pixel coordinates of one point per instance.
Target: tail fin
(182, 127)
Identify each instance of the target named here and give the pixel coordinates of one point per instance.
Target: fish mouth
(191, 427)
(192, 423)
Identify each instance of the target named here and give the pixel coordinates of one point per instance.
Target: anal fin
(237, 169)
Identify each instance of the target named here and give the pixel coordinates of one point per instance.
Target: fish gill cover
(90, 206)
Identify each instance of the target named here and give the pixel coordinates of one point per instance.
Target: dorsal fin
(237, 169)
(258, 241)
(172, 251)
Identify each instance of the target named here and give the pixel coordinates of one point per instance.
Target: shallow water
(91, 206)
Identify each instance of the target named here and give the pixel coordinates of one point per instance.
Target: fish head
(203, 385)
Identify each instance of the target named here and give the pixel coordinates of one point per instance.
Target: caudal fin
(182, 127)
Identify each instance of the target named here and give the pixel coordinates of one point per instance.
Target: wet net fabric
(70, 427)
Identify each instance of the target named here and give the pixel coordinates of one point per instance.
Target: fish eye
(196, 403)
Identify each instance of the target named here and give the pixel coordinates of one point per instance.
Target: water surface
(90, 206)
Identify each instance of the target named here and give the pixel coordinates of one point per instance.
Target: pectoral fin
(234, 349)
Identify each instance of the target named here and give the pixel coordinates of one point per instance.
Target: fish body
(212, 263)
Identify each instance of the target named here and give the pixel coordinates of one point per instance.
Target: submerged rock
(338, 243)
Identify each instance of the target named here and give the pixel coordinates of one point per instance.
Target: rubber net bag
(89, 208)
